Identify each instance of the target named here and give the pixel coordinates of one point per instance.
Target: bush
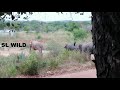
(81, 58)
(8, 66)
(8, 71)
(30, 66)
(42, 64)
(64, 55)
(53, 64)
(27, 29)
(38, 37)
(71, 56)
(79, 34)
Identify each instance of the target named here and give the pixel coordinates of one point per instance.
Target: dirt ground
(77, 71)
(6, 52)
(90, 73)
(83, 74)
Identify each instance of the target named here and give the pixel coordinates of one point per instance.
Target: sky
(53, 16)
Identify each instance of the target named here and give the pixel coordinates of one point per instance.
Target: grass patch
(8, 66)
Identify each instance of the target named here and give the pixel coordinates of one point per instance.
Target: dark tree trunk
(106, 38)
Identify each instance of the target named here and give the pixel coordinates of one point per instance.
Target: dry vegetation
(58, 60)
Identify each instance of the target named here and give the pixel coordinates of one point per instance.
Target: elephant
(87, 48)
(71, 47)
(35, 45)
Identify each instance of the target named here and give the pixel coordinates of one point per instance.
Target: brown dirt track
(83, 74)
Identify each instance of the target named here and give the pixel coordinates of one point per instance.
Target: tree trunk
(106, 38)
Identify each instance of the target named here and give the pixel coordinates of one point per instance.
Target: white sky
(53, 16)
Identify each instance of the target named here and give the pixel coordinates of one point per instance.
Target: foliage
(2, 25)
(8, 66)
(47, 26)
(26, 28)
(30, 65)
(71, 26)
(54, 47)
(79, 34)
(53, 64)
(38, 37)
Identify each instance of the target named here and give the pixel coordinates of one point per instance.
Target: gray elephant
(87, 48)
(35, 45)
(71, 47)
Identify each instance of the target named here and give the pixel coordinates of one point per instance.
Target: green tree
(2, 25)
(79, 34)
(71, 26)
(26, 28)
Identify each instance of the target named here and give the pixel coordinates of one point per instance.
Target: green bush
(53, 64)
(8, 71)
(79, 34)
(8, 66)
(26, 28)
(30, 66)
(38, 37)
(64, 55)
(42, 64)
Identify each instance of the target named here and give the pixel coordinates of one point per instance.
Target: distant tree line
(46, 26)
(78, 28)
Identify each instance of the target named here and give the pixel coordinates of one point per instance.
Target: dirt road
(83, 74)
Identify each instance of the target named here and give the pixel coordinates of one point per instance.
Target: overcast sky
(53, 16)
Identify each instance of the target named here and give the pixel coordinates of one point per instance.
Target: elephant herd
(86, 48)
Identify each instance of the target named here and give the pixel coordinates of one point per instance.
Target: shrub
(42, 64)
(79, 34)
(64, 55)
(53, 64)
(38, 37)
(78, 57)
(30, 66)
(8, 71)
(8, 66)
(72, 56)
(26, 28)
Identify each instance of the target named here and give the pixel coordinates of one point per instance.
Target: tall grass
(54, 47)
(8, 66)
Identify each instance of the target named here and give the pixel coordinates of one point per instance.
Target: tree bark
(106, 38)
